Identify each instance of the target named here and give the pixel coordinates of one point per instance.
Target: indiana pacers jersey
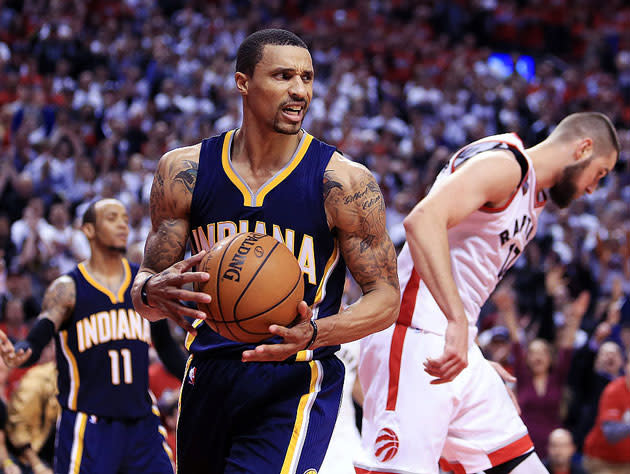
(289, 207)
(102, 351)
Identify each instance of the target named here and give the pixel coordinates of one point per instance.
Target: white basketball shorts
(409, 424)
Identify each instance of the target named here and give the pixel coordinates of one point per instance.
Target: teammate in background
(240, 413)
(107, 424)
(461, 239)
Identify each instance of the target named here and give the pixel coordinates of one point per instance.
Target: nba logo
(191, 375)
(386, 445)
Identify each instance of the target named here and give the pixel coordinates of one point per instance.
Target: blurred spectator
(594, 365)
(607, 446)
(13, 323)
(541, 378)
(560, 453)
(33, 411)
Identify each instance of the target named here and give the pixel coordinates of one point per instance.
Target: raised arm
(157, 289)
(489, 178)
(59, 300)
(356, 213)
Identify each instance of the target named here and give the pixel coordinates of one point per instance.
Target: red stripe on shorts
(360, 470)
(405, 316)
(511, 451)
(454, 467)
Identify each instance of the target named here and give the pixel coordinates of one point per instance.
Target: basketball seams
(238, 300)
(249, 318)
(223, 321)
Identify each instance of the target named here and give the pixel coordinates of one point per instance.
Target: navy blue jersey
(102, 351)
(289, 207)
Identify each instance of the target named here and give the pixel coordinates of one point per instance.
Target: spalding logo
(386, 445)
(238, 259)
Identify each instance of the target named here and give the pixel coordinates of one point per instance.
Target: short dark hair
(250, 51)
(590, 124)
(89, 216)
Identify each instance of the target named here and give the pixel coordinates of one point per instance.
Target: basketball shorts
(408, 425)
(253, 417)
(86, 444)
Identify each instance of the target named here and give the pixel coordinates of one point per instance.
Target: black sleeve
(171, 354)
(3, 415)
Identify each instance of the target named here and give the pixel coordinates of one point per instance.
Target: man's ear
(242, 82)
(89, 230)
(584, 149)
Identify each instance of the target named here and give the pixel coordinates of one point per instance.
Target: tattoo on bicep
(188, 175)
(330, 183)
(59, 299)
(367, 247)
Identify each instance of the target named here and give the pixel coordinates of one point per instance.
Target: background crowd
(92, 93)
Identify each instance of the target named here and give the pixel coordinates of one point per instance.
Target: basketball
(255, 281)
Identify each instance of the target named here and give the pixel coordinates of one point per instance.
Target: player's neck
(105, 264)
(546, 158)
(261, 149)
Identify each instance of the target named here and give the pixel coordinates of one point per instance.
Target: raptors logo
(386, 445)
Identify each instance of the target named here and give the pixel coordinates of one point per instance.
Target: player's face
(581, 177)
(112, 225)
(281, 88)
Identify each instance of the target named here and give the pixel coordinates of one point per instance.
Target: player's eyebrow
(291, 70)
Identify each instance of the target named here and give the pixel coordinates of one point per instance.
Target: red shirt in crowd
(614, 405)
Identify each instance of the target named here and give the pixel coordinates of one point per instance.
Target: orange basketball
(255, 281)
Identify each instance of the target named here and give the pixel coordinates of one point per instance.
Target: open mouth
(294, 112)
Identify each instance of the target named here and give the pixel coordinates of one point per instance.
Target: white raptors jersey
(483, 246)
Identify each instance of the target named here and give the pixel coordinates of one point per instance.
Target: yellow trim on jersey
(179, 400)
(77, 445)
(307, 355)
(73, 372)
(236, 180)
(189, 337)
(301, 421)
(256, 199)
(119, 297)
(330, 265)
(262, 192)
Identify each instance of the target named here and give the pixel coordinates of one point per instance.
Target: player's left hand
(508, 378)
(455, 356)
(10, 356)
(295, 338)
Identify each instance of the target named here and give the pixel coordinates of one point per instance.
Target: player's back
(483, 246)
(102, 350)
(289, 207)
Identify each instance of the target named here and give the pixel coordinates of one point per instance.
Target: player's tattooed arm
(59, 300)
(170, 201)
(355, 209)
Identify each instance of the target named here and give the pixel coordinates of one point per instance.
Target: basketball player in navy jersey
(108, 423)
(241, 412)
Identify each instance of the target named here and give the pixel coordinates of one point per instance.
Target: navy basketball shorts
(86, 444)
(271, 417)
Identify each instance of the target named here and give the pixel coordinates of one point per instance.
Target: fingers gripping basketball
(255, 281)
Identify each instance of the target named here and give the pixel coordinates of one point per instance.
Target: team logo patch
(310, 471)
(386, 445)
(191, 375)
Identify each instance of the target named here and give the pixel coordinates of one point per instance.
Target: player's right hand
(165, 293)
(455, 356)
(10, 357)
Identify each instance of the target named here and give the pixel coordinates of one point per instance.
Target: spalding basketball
(255, 281)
